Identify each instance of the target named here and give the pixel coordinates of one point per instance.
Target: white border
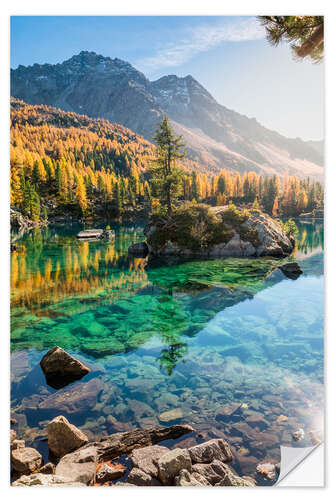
(142, 7)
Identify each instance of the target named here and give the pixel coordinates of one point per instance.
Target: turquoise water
(230, 346)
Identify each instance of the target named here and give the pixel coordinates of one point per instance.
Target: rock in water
(60, 368)
(78, 398)
(298, 435)
(90, 234)
(26, 460)
(64, 437)
(226, 231)
(291, 269)
(96, 234)
(267, 469)
(139, 249)
(171, 415)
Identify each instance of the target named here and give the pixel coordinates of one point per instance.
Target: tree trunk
(316, 38)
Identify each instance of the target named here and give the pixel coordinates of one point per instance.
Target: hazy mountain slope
(318, 146)
(217, 137)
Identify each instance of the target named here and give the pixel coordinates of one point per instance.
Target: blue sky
(230, 56)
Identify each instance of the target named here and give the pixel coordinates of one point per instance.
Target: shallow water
(230, 346)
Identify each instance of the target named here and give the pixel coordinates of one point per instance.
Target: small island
(197, 229)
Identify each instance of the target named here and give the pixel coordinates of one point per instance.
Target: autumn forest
(65, 163)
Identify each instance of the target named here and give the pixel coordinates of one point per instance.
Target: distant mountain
(217, 137)
(318, 146)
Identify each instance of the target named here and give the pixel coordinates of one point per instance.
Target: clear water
(194, 338)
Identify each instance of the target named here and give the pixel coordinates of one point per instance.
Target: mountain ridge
(217, 137)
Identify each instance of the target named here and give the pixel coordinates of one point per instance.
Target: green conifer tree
(166, 177)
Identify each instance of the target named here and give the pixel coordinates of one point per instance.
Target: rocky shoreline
(124, 459)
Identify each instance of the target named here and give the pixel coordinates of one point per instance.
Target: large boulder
(140, 478)
(79, 466)
(146, 458)
(64, 437)
(213, 472)
(26, 460)
(60, 368)
(215, 449)
(170, 464)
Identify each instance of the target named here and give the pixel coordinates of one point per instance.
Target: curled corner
(291, 458)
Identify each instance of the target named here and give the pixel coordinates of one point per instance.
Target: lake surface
(230, 346)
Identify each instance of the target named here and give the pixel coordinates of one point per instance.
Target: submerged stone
(171, 415)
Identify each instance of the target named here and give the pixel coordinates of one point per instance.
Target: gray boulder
(79, 466)
(215, 449)
(60, 368)
(146, 458)
(213, 472)
(64, 437)
(140, 478)
(170, 464)
(26, 460)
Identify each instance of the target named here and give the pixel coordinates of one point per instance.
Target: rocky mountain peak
(217, 137)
